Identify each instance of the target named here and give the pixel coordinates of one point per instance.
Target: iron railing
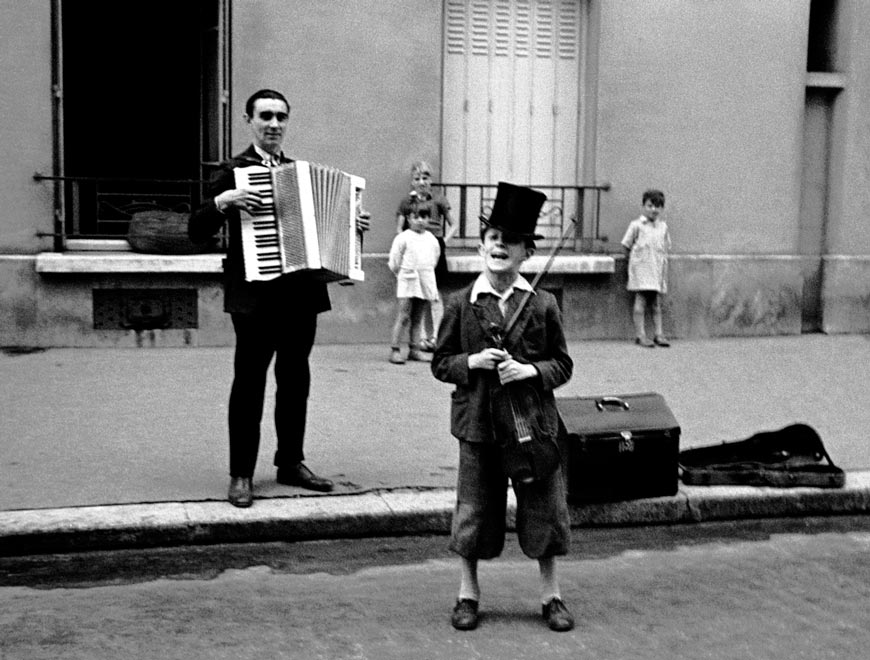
(101, 208)
(580, 205)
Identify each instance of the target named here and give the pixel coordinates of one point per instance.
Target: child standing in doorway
(647, 243)
(440, 225)
(413, 257)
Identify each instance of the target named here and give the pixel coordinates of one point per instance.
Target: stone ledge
(387, 513)
(135, 262)
(562, 264)
(126, 262)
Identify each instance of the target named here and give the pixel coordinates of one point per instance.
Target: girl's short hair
(422, 210)
(657, 197)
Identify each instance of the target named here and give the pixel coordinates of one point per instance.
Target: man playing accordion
(275, 318)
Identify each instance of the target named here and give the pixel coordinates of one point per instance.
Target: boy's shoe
(557, 615)
(416, 355)
(659, 340)
(465, 616)
(643, 341)
(427, 345)
(396, 357)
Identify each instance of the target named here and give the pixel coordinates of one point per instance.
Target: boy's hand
(488, 358)
(510, 371)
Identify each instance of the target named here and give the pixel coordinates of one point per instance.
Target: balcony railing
(579, 205)
(101, 208)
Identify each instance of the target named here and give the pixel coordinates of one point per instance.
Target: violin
(531, 452)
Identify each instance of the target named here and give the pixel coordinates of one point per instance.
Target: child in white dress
(647, 244)
(413, 257)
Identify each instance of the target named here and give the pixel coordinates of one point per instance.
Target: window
(142, 106)
(512, 71)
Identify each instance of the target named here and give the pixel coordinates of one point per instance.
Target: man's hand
(510, 371)
(488, 358)
(240, 198)
(363, 221)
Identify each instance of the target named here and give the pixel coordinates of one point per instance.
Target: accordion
(306, 221)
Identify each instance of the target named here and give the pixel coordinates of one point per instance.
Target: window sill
(825, 80)
(136, 262)
(127, 262)
(564, 265)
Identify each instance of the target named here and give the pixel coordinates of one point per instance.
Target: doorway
(144, 100)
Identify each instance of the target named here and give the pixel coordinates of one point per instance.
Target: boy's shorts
(543, 524)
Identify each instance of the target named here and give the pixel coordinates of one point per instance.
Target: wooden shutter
(512, 70)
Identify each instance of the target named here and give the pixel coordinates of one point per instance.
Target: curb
(385, 513)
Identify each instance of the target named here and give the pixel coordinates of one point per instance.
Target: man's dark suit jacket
(304, 293)
(537, 338)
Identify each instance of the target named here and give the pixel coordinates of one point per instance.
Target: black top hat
(516, 210)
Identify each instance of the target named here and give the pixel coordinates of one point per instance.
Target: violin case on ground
(619, 447)
(791, 456)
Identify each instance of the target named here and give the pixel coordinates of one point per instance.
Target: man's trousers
(288, 336)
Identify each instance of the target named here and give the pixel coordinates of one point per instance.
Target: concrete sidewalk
(113, 447)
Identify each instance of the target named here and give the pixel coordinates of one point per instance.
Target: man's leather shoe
(241, 493)
(301, 477)
(557, 615)
(465, 616)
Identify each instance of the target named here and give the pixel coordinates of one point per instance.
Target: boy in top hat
(534, 351)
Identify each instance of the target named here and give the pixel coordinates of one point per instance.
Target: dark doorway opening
(133, 109)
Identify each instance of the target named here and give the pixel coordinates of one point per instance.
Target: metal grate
(145, 309)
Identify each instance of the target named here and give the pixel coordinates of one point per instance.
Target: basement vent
(145, 309)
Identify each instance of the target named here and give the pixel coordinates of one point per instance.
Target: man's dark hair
(264, 94)
(657, 197)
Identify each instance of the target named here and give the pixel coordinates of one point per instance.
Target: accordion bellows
(306, 221)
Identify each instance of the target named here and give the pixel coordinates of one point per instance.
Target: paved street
(85, 427)
(788, 589)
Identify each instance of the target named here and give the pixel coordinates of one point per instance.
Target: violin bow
(528, 294)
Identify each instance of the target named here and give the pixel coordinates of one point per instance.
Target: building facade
(751, 116)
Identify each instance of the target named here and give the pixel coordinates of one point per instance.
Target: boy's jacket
(537, 338)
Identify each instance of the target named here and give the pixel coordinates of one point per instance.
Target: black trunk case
(620, 447)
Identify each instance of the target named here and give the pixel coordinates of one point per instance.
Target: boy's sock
(469, 588)
(549, 582)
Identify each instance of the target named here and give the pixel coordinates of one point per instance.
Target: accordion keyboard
(262, 241)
